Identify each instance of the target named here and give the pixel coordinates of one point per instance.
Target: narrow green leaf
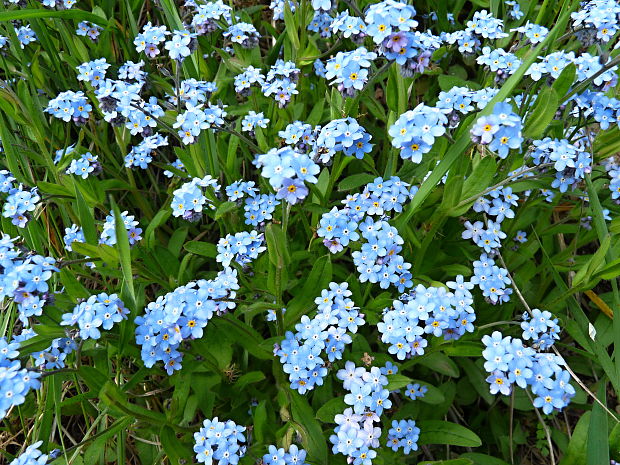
(443, 432)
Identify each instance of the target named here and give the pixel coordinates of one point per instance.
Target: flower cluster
(415, 131)
(70, 105)
(31, 456)
(491, 280)
(281, 82)
(541, 327)
(501, 130)
(300, 352)
(194, 119)
(509, 362)
(221, 441)
(141, 155)
(84, 166)
(294, 456)
(596, 21)
(20, 203)
(15, 381)
(259, 208)
(387, 17)
(190, 199)
(108, 235)
(570, 162)
(182, 315)
(349, 70)
(344, 135)
(405, 434)
(287, 171)
(379, 259)
(24, 278)
(499, 61)
(356, 435)
(243, 247)
(93, 72)
(416, 391)
(88, 29)
(98, 311)
(243, 34)
(430, 310)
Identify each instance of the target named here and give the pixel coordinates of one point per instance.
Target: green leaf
(79, 15)
(277, 248)
(244, 334)
(205, 249)
(330, 409)
(309, 428)
(87, 219)
(565, 80)
(248, 378)
(224, 208)
(460, 461)
(354, 181)
(597, 450)
(543, 112)
(124, 252)
(397, 381)
(594, 264)
(483, 459)
(438, 362)
(291, 26)
(160, 218)
(443, 432)
(318, 279)
(575, 453)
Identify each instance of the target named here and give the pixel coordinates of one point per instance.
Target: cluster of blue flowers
(416, 391)
(221, 441)
(499, 61)
(415, 131)
(287, 170)
(243, 247)
(190, 199)
(253, 120)
(244, 34)
(541, 327)
(509, 362)
(501, 130)
(24, 278)
(69, 105)
(278, 456)
(182, 315)
(141, 155)
(20, 202)
(98, 311)
(259, 208)
(300, 353)
(405, 434)
(32, 456)
(570, 162)
(195, 119)
(108, 235)
(356, 435)
(84, 166)
(596, 21)
(378, 261)
(281, 82)
(349, 70)
(434, 311)
(15, 381)
(88, 29)
(344, 135)
(492, 280)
